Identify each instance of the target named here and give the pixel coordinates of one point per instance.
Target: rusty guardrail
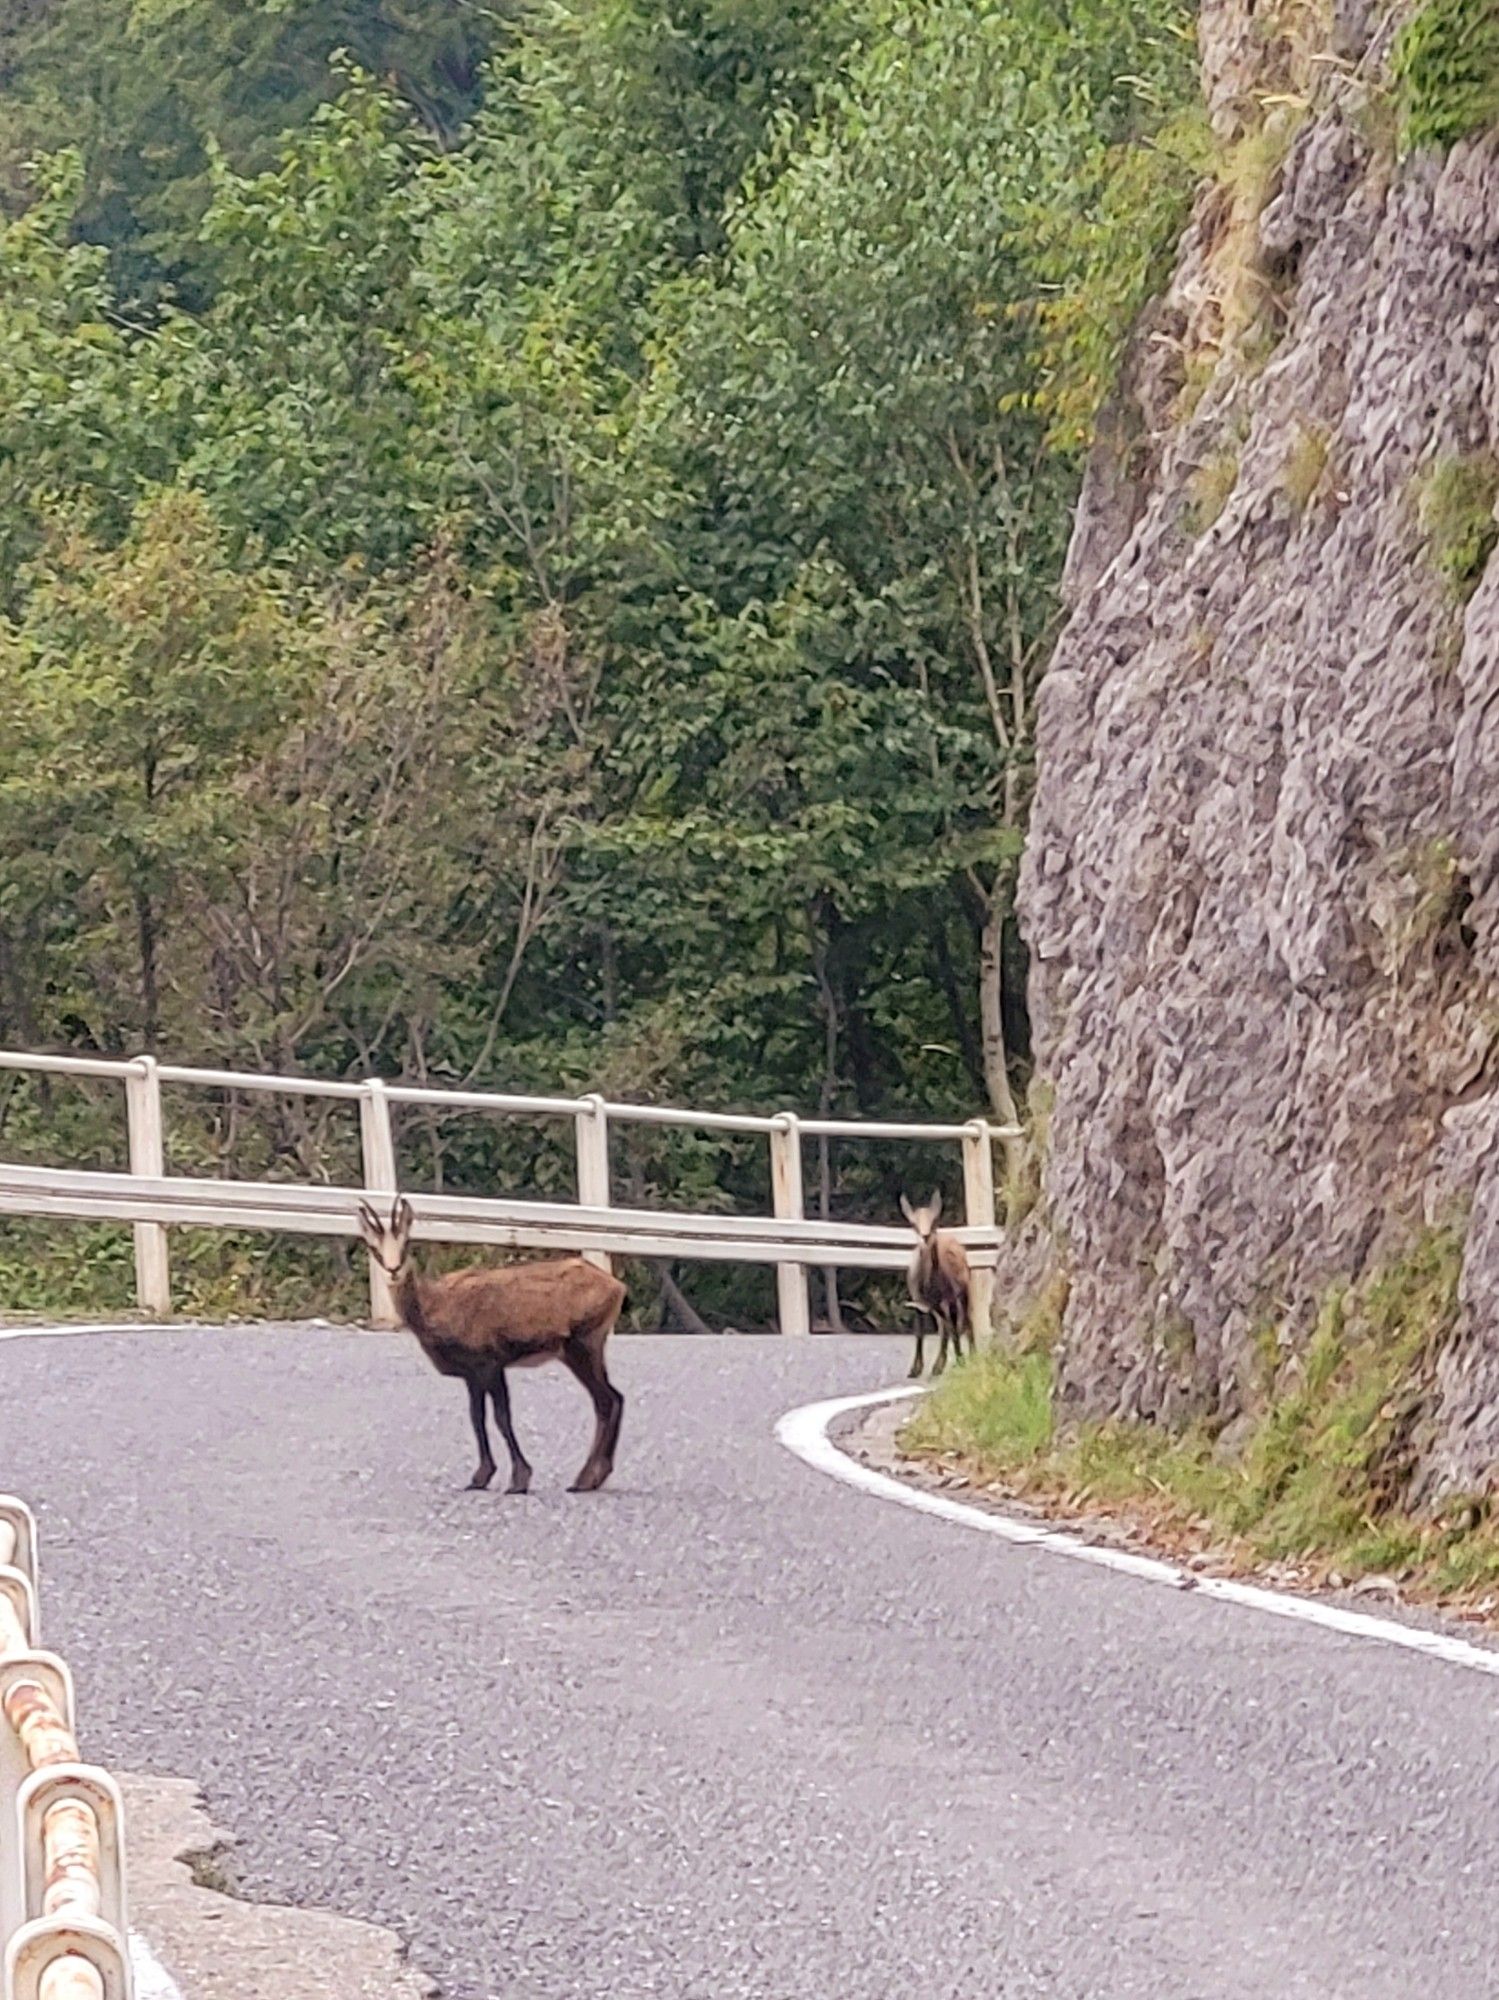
(62, 1850)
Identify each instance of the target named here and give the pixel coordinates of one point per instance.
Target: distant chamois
(477, 1323)
(937, 1280)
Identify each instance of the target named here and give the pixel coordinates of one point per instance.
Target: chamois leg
(918, 1361)
(944, 1342)
(520, 1471)
(608, 1409)
(485, 1470)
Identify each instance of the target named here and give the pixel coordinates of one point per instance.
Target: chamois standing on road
(937, 1280)
(477, 1323)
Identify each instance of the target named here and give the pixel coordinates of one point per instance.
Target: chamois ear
(370, 1226)
(402, 1217)
(905, 1209)
(934, 1207)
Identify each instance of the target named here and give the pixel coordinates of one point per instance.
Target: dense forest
(528, 535)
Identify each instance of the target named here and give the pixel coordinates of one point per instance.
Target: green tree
(864, 386)
(567, 608)
(138, 679)
(147, 88)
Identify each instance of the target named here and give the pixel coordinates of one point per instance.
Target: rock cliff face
(1262, 888)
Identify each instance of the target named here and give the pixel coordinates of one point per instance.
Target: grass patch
(1211, 487)
(1026, 1166)
(1251, 167)
(1445, 65)
(1040, 1325)
(1257, 345)
(1425, 891)
(212, 1868)
(1198, 374)
(995, 1407)
(1305, 464)
(1456, 500)
(1242, 315)
(1323, 1479)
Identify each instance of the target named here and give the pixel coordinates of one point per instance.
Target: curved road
(729, 1730)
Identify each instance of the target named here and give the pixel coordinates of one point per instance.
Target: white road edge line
(152, 1980)
(68, 1328)
(804, 1433)
(63, 1332)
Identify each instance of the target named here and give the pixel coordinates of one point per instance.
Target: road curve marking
(804, 1432)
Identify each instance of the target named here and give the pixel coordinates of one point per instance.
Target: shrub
(1446, 68)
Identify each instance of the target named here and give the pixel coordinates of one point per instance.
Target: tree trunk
(608, 973)
(826, 1095)
(992, 1020)
(15, 1001)
(962, 1019)
(147, 923)
(146, 933)
(673, 1299)
(676, 1301)
(834, 1303)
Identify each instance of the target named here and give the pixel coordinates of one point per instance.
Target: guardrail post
(153, 1272)
(591, 1127)
(978, 1197)
(17, 1536)
(792, 1308)
(378, 1145)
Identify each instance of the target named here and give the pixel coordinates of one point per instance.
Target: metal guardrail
(152, 1201)
(63, 1929)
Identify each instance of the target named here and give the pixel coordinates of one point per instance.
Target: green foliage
(148, 90)
(1446, 69)
(1323, 1478)
(564, 606)
(1109, 253)
(664, 108)
(1457, 499)
(1328, 1466)
(61, 1271)
(996, 1407)
(57, 1271)
(76, 417)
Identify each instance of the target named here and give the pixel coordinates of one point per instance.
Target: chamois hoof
(913, 1373)
(480, 1481)
(520, 1482)
(590, 1479)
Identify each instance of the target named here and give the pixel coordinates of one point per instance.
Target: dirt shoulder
(872, 1437)
(215, 1946)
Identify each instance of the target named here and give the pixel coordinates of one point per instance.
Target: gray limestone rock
(1262, 887)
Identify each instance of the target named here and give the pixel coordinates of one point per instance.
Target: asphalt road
(728, 1730)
